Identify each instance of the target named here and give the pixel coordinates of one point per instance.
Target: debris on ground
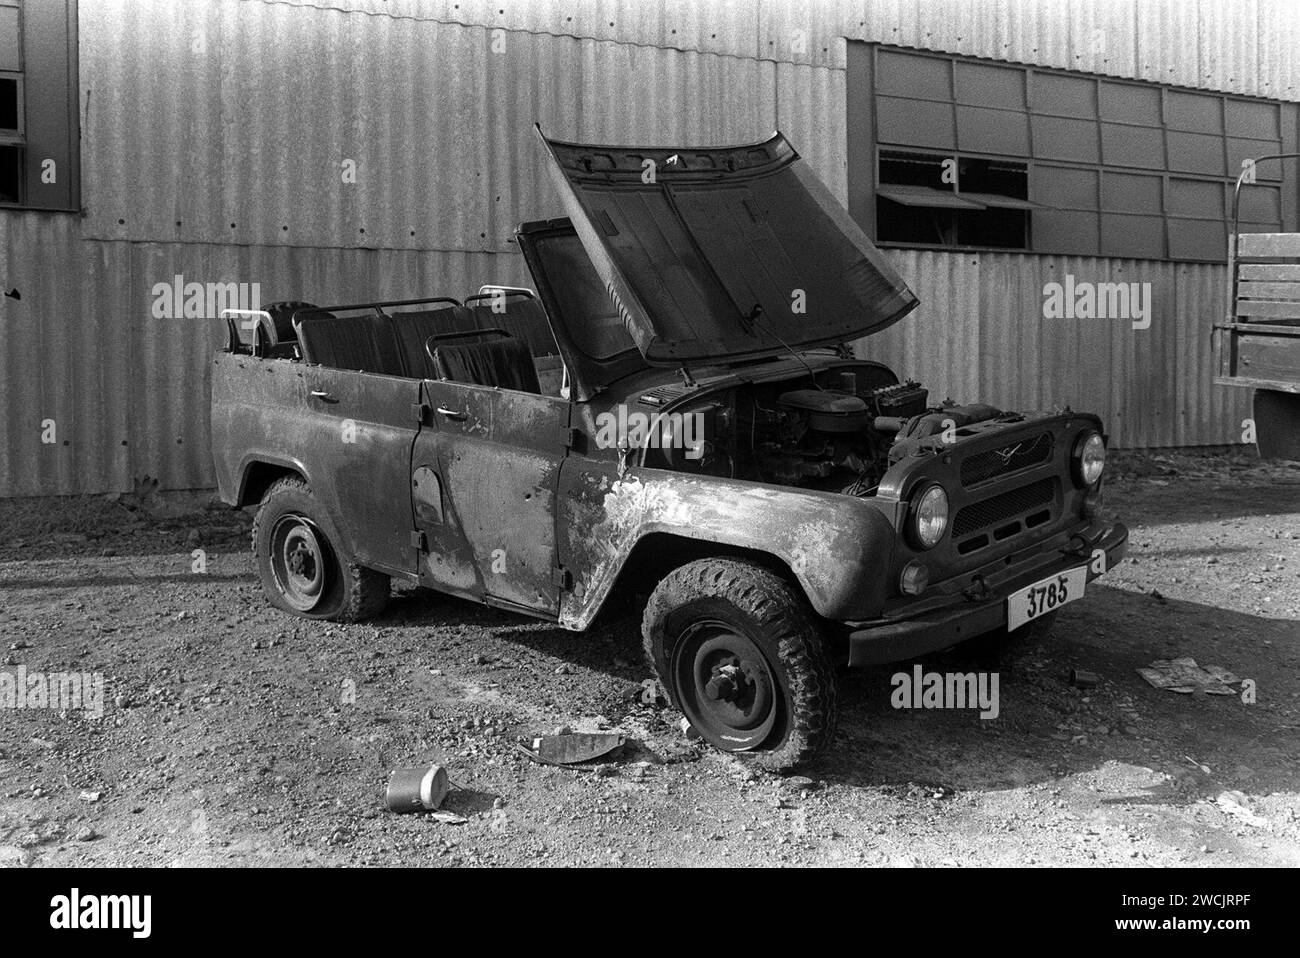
(1083, 679)
(1183, 675)
(420, 789)
(1236, 804)
(447, 818)
(573, 748)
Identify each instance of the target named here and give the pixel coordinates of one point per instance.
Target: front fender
(838, 547)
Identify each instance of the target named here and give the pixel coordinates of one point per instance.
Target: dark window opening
(993, 176)
(998, 228)
(9, 108)
(952, 201)
(11, 174)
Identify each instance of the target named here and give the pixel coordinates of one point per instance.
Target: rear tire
(739, 651)
(301, 564)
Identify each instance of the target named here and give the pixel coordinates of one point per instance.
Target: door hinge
(418, 541)
(561, 579)
(570, 438)
(420, 410)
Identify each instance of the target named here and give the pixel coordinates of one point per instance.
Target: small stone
(689, 730)
(87, 834)
(90, 797)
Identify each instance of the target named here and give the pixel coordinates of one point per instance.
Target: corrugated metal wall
(215, 133)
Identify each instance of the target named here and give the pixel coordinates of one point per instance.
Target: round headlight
(931, 516)
(1090, 458)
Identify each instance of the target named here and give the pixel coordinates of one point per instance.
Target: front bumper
(928, 625)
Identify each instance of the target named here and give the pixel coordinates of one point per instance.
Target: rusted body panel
(349, 434)
(498, 455)
(839, 549)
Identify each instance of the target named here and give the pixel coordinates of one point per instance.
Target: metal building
(337, 150)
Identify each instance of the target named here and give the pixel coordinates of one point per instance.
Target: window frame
(1045, 95)
(48, 106)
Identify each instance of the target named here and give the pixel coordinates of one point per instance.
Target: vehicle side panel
(838, 548)
(352, 444)
(498, 455)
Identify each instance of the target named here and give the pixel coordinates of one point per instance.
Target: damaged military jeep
(674, 410)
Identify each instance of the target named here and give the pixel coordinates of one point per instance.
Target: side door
(484, 476)
(357, 441)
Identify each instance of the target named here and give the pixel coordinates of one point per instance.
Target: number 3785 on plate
(1045, 596)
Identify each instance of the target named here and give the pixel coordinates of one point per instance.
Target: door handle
(451, 413)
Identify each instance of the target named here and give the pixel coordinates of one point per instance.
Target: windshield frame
(588, 374)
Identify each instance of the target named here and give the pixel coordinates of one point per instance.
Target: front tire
(739, 651)
(302, 567)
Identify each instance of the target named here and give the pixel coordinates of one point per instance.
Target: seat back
(365, 343)
(414, 327)
(522, 317)
(500, 361)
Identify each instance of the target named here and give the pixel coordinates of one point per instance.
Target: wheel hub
(726, 686)
(298, 561)
(727, 682)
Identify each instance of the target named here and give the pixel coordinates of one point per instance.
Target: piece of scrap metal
(572, 748)
(1183, 675)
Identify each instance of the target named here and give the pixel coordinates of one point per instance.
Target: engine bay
(839, 430)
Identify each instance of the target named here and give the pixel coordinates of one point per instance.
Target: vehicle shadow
(1047, 729)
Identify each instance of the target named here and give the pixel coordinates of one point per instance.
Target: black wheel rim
(726, 685)
(298, 561)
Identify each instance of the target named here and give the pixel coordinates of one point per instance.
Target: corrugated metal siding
(980, 334)
(438, 119)
(214, 132)
(128, 392)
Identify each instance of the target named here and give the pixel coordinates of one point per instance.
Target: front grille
(984, 466)
(999, 510)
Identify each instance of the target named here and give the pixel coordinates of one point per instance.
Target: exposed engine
(841, 432)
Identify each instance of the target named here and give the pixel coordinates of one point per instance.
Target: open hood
(722, 254)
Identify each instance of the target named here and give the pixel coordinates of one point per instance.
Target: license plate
(1045, 595)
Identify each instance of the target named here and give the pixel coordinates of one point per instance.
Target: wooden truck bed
(1258, 345)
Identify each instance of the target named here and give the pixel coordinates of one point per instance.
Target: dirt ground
(228, 734)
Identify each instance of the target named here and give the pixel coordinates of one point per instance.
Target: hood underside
(724, 254)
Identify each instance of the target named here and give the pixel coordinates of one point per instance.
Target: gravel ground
(230, 733)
